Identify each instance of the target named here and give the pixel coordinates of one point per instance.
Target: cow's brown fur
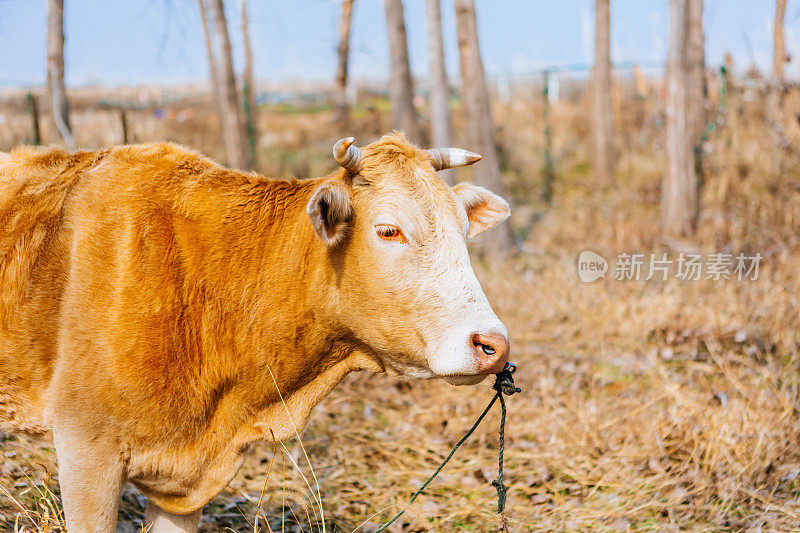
(160, 313)
(171, 291)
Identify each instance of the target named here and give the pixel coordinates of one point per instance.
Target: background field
(647, 405)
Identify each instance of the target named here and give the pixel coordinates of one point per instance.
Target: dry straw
(648, 406)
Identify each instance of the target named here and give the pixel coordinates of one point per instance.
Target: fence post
(724, 90)
(251, 129)
(34, 112)
(123, 122)
(549, 174)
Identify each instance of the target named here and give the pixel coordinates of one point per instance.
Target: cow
(160, 313)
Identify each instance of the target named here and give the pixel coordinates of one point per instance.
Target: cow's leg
(160, 521)
(91, 473)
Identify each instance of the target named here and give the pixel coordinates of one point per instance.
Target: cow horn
(444, 158)
(346, 154)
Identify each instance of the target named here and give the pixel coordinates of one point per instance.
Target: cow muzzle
(491, 351)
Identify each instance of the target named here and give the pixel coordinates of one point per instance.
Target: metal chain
(503, 384)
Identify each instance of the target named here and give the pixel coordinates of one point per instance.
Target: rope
(502, 490)
(503, 384)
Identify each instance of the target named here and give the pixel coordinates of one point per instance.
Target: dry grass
(647, 406)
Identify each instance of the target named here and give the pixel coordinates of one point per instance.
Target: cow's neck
(275, 348)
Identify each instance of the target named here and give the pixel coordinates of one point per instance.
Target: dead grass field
(647, 405)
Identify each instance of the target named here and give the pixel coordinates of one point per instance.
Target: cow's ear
(329, 210)
(484, 208)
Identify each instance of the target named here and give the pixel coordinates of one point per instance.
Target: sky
(119, 42)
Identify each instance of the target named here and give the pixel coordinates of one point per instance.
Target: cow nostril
(488, 349)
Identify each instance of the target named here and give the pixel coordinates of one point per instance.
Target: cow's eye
(390, 232)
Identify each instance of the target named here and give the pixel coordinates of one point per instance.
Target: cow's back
(35, 184)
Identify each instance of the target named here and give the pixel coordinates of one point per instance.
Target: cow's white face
(407, 289)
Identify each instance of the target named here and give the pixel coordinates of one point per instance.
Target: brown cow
(161, 313)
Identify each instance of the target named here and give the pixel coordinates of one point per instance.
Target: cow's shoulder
(158, 161)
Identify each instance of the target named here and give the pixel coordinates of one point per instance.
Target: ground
(646, 405)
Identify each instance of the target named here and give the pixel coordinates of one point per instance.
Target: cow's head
(397, 239)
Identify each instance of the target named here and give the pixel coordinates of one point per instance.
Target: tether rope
(503, 384)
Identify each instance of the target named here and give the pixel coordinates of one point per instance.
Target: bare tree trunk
(603, 113)
(779, 47)
(55, 70)
(401, 89)
(696, 57)
(475, 96)
(212, 62)
(228, 102)
(679, 200)
(248, 90)
(343, 53)
(438, 87)
(778, 64)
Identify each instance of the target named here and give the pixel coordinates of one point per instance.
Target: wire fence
(188, 114)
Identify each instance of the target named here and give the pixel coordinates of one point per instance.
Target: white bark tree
(401, 89)
(438, 88)
(232, 123)
(248, 91)
(475, 95)
(341, 110)
(212, 62)
(55, 71)
(602, 113)
(679, 195)
(778, 43)
(696, 57)
(778, 76)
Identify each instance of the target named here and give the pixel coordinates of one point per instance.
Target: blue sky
(131, 42)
